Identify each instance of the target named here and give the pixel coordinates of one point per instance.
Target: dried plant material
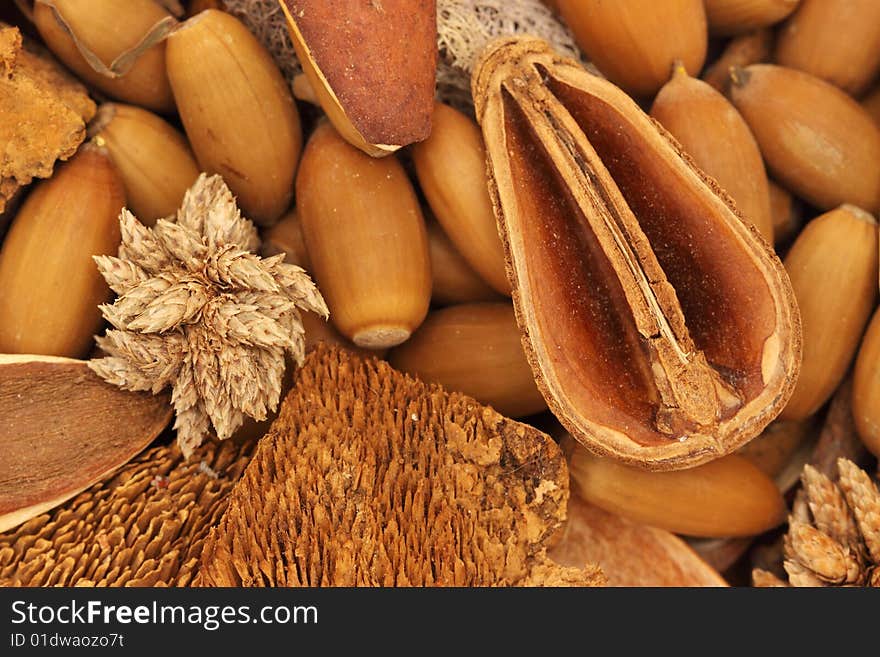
(838, 438)
(374, 73)
(369, 477)
(43, 112)
(144, 527)
(661, 328)
(766, 579)
(834, 531)
(62, 430)
(199, 312)
(629, 554)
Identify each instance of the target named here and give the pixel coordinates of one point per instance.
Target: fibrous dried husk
(43, 113)
(143, 527)
(370, 477)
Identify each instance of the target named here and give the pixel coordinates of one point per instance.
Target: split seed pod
(815, 139)
(713, 133)
(154, 160)
(237, 110)
(866, 388)
(113, 45)
(451, 168)
(661, 328)
(737, 16)
(725, 498)
(836, 40)
(634, 43)
(474, 349)
(365, 235)
(49, 286)
(833, 270)
(374, 72)
(452, 279)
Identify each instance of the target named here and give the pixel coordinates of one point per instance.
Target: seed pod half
(833, 270)
(725, 498)
(237, 111)
(866, 388)
(365, 235)
(815, 139)
(451, 168)
(50, 288)
(97, 40)
(374, 72)
(452, 279)
(836, 40)
(634, 43)
(474, 349)
(661, 328)
(713, 133)
(750, 48)
(154, 160)
(786, 212)
(737, 16)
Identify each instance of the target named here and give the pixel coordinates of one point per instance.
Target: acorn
(723, 498)
(717, 138)
(728, 17)
(474, 349)
(836, 40)
(50, 288)
(237, 111)
(452, 279)
(786, 212)
(99, 37)
(366, 238)
(635, 43)
(777, 444)
(154, 160)
(286, 237)
(866, 388)
(833, 270)
(749, 48)
(451, 169)
(815, 139)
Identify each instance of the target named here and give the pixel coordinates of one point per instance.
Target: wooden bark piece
(62, 429)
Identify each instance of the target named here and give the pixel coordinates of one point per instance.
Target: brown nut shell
(474, 349)
(635, 43)
(661, 328)
(714, 134)
(237, 110)
(727, 17)
(866, 388)
(49, 286)
(366, 238)
(836, 40)
(155, 161)
(833, 270)
(108, 29)
(815, 139)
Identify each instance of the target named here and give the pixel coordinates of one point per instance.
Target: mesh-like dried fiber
(464, 27)
(370, 477)
(143, 527)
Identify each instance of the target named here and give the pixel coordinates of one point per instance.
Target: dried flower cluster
(199, 312)
(834, 532)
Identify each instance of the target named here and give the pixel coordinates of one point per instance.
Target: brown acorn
(452, 278)
(154, 160)
(635, 43)
(746, 49)
(833, 270)
(474, 349)
(866, 388)
(714, 134)
(50, 288)
(786, 212)
(451, 168)
(95, 39)
(366, 238)
(836, 40)
(815, 139)
(871, 103)
(737, 16)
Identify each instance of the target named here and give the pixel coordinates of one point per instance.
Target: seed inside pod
(866, 388)
(833, 269)
(737, 16)
(634, 43)
(836, 40)
(661, 329)
(815, 139)
(713, 133)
